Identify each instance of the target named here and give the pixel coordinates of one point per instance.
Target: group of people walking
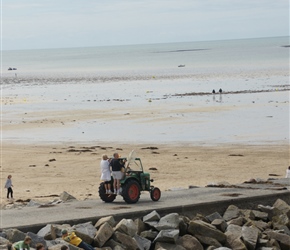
(112, 168)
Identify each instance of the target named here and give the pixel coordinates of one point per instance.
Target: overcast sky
(34, 24)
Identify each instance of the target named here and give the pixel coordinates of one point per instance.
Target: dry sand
(41, 171)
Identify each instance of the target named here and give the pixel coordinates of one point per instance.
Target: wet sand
(53, 136)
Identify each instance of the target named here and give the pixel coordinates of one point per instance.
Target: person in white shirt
(106, 173)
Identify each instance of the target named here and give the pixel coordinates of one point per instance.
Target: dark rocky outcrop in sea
(265, 228)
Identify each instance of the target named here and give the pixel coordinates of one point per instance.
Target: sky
(38, 24)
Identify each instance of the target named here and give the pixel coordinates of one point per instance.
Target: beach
(59, 115)
(42, 172)
(49, 146)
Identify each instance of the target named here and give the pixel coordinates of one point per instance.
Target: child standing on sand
(9, 186)
(106, 173)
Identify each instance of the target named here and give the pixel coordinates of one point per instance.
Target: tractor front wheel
(155, 194)
(131, 191)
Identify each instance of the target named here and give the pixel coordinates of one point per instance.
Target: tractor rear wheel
(131, 191)
(105, 197)
(155, 194)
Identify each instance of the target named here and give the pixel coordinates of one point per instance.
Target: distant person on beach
(287, 172)
(106, 173)
(213, 91)
(23, 244)
(9, 186)
(75, 240)
(220, 90)
(116, 172)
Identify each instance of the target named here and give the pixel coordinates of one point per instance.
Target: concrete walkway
(188, 202)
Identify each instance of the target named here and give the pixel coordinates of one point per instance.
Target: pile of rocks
(265, 228)
(19, 204)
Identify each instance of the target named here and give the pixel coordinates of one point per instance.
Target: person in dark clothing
(9, 186)
(116, 165)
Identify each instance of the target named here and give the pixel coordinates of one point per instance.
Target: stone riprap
(264, 228)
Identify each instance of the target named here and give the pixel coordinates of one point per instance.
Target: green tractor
(133, 182)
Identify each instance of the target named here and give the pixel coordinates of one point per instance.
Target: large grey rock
(170, 221)
(250, 237)
(151, 224)
(240, 221)
(126, 240)
(232, 212)
(149, 234)
(271, 211)
(198, 227)
(108, 219)
(261, 225)
(223, 248)
(114, 245)
(210, 248)
(282, 206)
(3, 235)
(189, 242)
(213, 217)
(86, 231)
(115, 248)
(14, 235)
(3, 240)
(237, 244)
(4, 243)
(103, 234)
(283, 239)
(208, 241)
(260, 215)
(143, 243)
(126, 226)
(234, 229)
(140, 225)
(281, 219)
(262, 242)
(167, 246)
(220, 224)
(248, 214)
(33, 203)
(66, 196)
(182, 226)
(51, 243)
(153, 216)
(45, 232)
(274, 244)
(282, 229)
(35, 239)
(168, 236)
(233, 234)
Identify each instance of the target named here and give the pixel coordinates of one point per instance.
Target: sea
(169, 84)
(148, 60)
